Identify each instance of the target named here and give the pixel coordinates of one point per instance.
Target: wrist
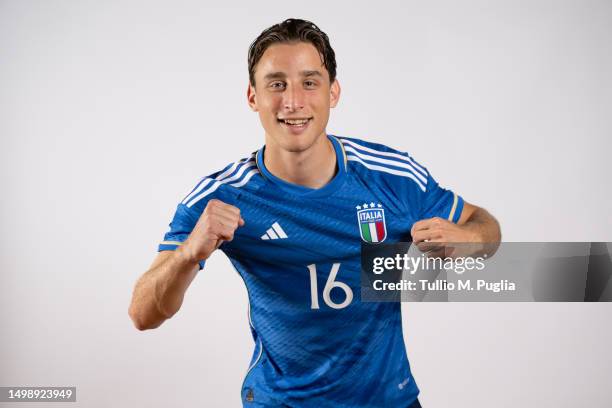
(187, 255)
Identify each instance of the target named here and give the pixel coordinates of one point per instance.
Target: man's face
(292, 95)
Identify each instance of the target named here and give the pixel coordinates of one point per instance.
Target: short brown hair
(293, 30)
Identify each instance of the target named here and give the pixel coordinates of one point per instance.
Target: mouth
(296, 123)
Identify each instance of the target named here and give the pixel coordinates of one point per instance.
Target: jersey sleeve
(182, 224)
(440, 202)
(192, 206)
(409, 187)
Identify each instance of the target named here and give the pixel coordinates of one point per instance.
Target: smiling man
(290, 218)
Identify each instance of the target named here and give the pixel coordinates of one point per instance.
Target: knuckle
(215, 203)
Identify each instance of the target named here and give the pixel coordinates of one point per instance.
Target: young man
(286, 217)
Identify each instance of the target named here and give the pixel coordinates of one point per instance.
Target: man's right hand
(216, 225)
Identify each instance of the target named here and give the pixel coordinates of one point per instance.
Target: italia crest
(371, 219)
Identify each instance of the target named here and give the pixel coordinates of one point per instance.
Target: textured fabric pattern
(316, 343)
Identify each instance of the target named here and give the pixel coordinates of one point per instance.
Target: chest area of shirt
(307, 229)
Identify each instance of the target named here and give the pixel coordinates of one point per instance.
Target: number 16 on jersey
(329, 285)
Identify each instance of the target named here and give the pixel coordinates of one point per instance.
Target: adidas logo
(274, 232)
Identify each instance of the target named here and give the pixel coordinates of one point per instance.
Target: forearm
(159, 293)
(484, 229)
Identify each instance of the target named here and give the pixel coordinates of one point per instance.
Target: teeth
(296, 121)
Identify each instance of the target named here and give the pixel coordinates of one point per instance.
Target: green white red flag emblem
(371, 219)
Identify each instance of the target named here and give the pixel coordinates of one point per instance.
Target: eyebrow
(311, 73)
(282, 75)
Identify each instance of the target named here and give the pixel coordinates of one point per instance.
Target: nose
(293, 98)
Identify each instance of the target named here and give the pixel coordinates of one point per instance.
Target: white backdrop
(111, 111)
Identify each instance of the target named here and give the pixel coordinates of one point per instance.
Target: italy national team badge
(371, 219)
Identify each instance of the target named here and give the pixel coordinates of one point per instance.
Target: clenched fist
(217, 224)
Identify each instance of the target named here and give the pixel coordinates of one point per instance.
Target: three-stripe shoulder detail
(237, 175)
(387, 162)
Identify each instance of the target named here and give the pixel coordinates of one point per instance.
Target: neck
(313, 167)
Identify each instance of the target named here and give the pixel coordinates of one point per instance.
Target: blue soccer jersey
(316, 343)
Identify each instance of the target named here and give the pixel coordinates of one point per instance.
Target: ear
(334, 93)
(251, 97)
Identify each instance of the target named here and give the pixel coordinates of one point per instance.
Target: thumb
(218, 244)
